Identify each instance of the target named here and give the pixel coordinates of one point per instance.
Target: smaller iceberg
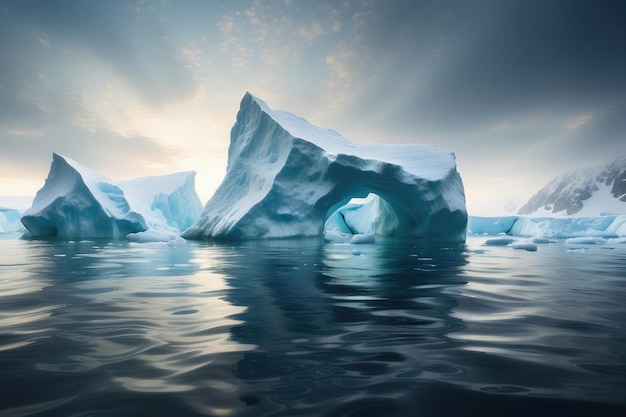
(550, 227)
(479, 225)
(10, 220)
(76, 202)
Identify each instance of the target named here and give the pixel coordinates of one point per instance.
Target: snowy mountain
(591, 191)
(76, 202)
(285, 177)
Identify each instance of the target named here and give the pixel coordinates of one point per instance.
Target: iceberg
(490, 225)
(285, 177)
(604, 226)
(172, 197)
(10, 220)
(550, 227)
(529, 246)
(76, 202)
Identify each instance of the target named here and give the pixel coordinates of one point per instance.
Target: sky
(521, 91)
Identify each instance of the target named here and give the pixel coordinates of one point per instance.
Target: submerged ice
(286, 177)
(76, 202)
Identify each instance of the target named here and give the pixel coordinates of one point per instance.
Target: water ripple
(288, 328)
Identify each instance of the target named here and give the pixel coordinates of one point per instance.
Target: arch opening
(369, 215)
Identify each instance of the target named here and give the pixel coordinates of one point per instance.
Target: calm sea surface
(307, 328)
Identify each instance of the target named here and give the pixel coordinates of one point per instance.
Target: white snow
(524, 244)
(529, 246)
(601, 203)
(589, 189)
(76, 202)
(585, 241)
(501, 241)
(171, 238)
(172, 198)
(286, 177)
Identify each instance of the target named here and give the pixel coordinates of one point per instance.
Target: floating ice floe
(550, 227)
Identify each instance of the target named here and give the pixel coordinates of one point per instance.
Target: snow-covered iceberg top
(285, 177)
(76, 202)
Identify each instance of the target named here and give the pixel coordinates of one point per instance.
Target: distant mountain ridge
(589, 191)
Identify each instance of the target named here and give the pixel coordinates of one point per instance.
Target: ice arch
(285, 176)
(370, 215)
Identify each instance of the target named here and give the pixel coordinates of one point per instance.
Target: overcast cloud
(520, 90)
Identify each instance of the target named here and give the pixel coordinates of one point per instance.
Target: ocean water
(307, 328)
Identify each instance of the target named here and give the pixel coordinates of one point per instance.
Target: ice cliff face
(172, 196)
(582, 191)
(76, 202)
(285, 177)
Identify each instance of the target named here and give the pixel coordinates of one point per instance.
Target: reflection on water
(302, 327)
(333, 328)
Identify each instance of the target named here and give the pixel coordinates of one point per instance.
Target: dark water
(304, 328)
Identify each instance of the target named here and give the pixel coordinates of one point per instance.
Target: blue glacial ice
(10, 220)
(76, 202)
(611, 226)
(286, 177)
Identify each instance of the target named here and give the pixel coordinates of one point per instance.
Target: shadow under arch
(415, 208)
(397, 199)
(369, 215)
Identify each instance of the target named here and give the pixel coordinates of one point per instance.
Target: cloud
(276, 55)
(135, 49)
(449, 71)
(338, 64)
(225, 24)
(502, 83)
(311, 31)
(253, 15)
(29, 152)
(577, 121)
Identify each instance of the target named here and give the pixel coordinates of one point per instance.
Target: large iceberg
(76, 202)
(285, 177)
